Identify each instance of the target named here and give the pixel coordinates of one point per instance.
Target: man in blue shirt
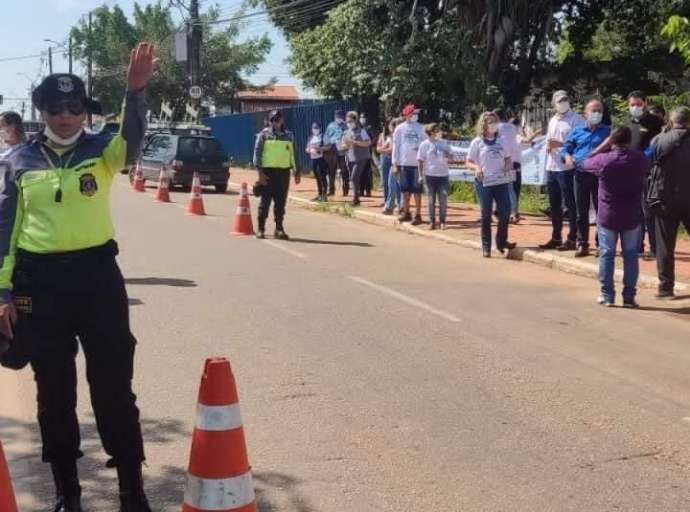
(580, 144)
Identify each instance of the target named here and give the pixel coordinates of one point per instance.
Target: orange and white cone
(7, 501)
(219, 478)
(163, 192)
(196, 202)
(138, 183)
(243, 216)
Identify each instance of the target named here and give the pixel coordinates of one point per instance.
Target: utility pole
(50, 60)
(23, 108)
(69, 51)
(90, 65)
(194, 42)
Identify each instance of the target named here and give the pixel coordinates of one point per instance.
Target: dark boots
(132, 497)
(67, 488)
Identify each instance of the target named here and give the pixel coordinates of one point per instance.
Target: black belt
(107, 250)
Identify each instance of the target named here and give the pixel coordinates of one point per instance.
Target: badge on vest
(88, 185)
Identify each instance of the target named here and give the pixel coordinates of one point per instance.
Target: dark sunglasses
(74, 107)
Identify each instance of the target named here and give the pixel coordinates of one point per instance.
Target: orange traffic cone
(196, 202)
(243, 216)
(7, 501)
(219, 478)
(163, 192)
(138, 183)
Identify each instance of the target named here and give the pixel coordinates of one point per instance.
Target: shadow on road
(33, 483)
(273, 487)
(330, 242)
(135, 302)
(161, 281)
(675, 311)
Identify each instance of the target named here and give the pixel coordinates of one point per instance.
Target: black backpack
(659, 183)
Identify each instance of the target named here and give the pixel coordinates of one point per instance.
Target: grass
(531, 199)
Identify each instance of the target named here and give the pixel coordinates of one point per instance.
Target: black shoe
(509, 246)
(280, 234)
(405, 217)
(569, 245)
(132, 496)
(331, 192)
(67, 486)
(630, 304)
(486, 253)
(356, 202)
(665, 295)
(417, 220)
(261, 234)
(551, 244)
(68, 504)
(582, 251)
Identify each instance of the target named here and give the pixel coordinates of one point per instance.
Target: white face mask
(562, 107)
(316, 131)
(437, 136)
(636, 111)
(352, 125)
(339, 120)
(55, 138)
(493, 128)
(414, 118)
(596, 117)
(363, 121)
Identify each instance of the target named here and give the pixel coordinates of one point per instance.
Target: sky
(27, 23)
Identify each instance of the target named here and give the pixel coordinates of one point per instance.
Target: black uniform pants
(586, 195)
(336, 161)
(366, 182)
(72, 298)
(667, 226)
(276, 191)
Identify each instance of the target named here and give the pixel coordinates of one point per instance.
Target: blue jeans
(437, 187)
(561, 187)
(501, 195)
(385, 162)
(630, 242)
(394, 196)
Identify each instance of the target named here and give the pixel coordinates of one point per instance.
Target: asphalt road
(378, 371)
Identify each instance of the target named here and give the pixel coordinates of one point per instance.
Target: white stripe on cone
(217, 418)
(216, 494)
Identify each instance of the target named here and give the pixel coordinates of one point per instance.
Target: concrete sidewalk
(463, 229)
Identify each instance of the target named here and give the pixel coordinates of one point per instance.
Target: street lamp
(61, 45)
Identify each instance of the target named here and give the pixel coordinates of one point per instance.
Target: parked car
(181, 156)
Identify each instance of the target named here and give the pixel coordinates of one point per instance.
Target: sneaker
(280, 234)
(630, 304)
(387, 211)
(509, 246)
(432, 226)
(551, 244)
(486, 253)
(582, 251)
(417, 220)
(443, 226)
(665, 295)
(569, 245)
(261, 234)
(405, 217)
(603, 301)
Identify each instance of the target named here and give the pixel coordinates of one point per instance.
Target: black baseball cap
(63, 89)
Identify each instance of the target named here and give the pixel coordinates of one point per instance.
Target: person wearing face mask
(315, 149)
(336, 155)
(560, 175)
(406, 141)
(11, 131)
(358, 144)
(492, 166)
(274, 158)
(433, 166)
(580, 144)
(367, 181)
(60, 284)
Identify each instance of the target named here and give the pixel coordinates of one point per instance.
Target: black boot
(67, 488)
(132, 496)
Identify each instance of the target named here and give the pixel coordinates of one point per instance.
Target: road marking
(286, 249)
(404, 298)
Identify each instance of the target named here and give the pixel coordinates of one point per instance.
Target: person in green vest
(274, 158)
(60, 284)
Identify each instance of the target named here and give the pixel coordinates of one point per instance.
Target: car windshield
(197, 147)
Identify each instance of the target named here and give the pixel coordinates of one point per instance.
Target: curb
(544, 259)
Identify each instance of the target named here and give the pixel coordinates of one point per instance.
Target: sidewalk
(463, 229)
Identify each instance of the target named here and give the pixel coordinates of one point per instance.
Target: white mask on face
(636, 111)
(596, 117)
(316, 131)
(437, 136)
(352, 125)
(493, 128)
(363, 120)
(56, 139)
(562, 107)
(414, 118)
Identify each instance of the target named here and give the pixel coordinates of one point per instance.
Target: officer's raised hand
(141, 65)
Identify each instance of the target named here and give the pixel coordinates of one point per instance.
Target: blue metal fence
(237, 132)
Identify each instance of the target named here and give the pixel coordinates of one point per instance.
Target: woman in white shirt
(315, 149)
(433, 167)
(492, 166)
(357, 142)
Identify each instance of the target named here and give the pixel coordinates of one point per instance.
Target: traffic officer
(59, 280)
(274, 157)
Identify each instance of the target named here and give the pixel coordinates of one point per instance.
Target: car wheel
(221, 188)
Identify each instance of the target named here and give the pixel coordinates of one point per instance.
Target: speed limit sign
(195, 92)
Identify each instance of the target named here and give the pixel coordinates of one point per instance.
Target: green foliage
(677, 31)
(224, 60)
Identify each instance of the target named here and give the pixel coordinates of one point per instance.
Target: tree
(225, 61)
(677, 31)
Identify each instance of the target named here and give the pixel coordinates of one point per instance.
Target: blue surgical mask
(596, 117)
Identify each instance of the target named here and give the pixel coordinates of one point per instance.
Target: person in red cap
(406, 141)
